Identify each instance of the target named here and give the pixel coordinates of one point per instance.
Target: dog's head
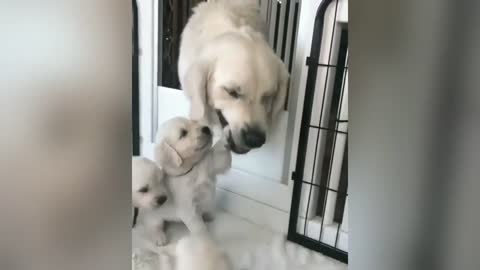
(148, 184)
(243, 82)
(181, 143)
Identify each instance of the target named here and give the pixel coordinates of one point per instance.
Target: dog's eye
(143, 189)
(233, 92)
(183, 133)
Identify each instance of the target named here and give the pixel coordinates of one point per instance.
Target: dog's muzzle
(231, 142)
(253, 137)
(222, 119)
(234, 147)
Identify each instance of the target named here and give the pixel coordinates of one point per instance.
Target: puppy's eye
(183, 133)
(233, 92)
(143, 189)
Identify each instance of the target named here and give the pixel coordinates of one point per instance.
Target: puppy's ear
(281, 95)
(195, 83)
(166, 155)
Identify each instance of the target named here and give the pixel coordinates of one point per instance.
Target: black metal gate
(328, 129)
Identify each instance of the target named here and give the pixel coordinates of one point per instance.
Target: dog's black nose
(161, 200)
(206, 131)
(253, 137)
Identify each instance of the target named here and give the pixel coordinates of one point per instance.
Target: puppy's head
(244, 82)
(181, 143)
(148, 186)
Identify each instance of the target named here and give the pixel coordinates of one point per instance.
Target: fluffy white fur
(185, 153)
(149, 192)
(229, 71)
(148, 185)
(197, 251)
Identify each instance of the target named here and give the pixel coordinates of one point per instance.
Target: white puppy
(149, 192)
(148, 186)
(229, 72)
(185, 153)
(198, 252)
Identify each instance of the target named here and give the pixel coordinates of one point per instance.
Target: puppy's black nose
(206, 131)
(253, 137)
(161, 200)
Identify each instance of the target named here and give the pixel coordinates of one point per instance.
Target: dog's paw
(161, 239)
(224, 138)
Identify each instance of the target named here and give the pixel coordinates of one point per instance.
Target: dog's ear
(166, 155)
(196, 85)
(280, 96)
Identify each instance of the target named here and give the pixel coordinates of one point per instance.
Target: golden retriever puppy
(184, 151)
(149, 193)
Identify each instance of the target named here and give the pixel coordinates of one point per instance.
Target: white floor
(250, 247)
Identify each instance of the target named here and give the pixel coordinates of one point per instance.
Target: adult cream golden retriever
(229, 72)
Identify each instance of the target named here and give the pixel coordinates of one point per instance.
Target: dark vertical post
(135, 83)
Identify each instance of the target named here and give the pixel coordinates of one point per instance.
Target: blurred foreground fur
(196, 251)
